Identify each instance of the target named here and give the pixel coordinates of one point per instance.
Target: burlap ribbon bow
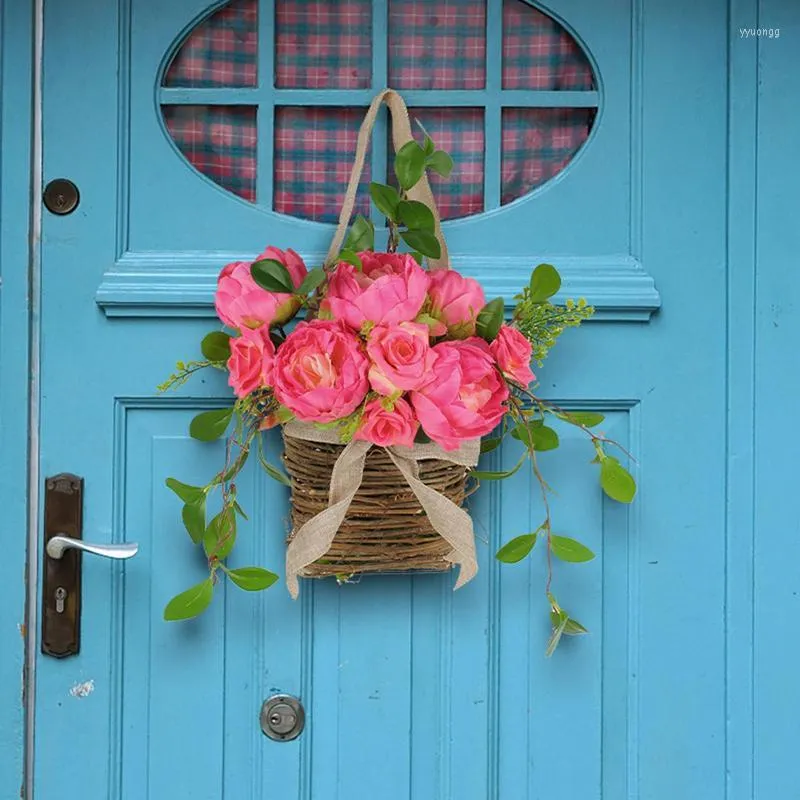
(313, 539)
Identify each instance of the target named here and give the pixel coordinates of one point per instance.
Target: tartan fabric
(314, 151)
(323, 44)
(432, 44)
(460, 132)
(539, 54)
(221, 51)
(218, 141)
(537, 144)
(437, 44)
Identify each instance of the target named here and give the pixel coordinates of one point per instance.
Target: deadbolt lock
(282, 718)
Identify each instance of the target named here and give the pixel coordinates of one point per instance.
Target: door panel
(411, 690)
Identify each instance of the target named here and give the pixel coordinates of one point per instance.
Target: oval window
(250, 124)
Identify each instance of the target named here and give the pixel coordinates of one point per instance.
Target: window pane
(221, 51)
(219, 141)
(314, 151)
(537, 144)
(437, 44)
(539, 54)
(323, 44)
(459, 131)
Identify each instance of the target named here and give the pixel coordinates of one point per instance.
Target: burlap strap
(401, 133)
(452, 523)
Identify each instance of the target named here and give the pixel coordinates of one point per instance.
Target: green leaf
(574, 628)
(545, 282)
(416, 215)
(424, 242)
(210, 425)
(428, 145)
(589, 419)
(220, 535)
(616, 481)
(515, 550)
(239, 510)
(194, 519)
(487, 445)
(490, 319)
(252, 579)
(361, 235)
(385, 198)
(534, 434)
(187, 493)
(351, 257)
(543, 438)
(311, 281)
(216, 346)
(417, 256)
(190, 603)
(570, 550)
(272, 276)
(422, 437)
(497, 476)
(440, 162)
(409, 164)
(276, 474)
(558, 631)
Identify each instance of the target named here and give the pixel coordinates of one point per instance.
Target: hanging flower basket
(385, 393)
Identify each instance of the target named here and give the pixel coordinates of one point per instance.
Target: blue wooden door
(411, 690)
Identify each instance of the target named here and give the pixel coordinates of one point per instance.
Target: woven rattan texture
(385, 529)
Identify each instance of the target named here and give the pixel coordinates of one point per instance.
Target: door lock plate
(282, 718)
(61, 578)
(61, 196)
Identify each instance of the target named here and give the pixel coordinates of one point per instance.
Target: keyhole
(61, 596)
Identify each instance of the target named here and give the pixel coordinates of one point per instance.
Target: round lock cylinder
(282, 718)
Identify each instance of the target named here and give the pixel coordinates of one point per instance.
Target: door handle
(58, 544)
(62, 556)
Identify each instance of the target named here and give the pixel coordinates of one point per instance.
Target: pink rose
(242, 303)
(401, 356)
(391, 288)
(465, 396)
(456, 302)
(388, 428)
(513, 354)
(251, 360)
(320, 371)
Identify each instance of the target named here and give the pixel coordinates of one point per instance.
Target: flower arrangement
(391, 355)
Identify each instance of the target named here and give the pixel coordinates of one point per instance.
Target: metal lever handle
(56, 546)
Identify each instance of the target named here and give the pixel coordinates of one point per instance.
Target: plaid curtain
(321, 44)
(221, 51)
(327, 44)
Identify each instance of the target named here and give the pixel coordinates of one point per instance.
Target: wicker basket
(385, 529)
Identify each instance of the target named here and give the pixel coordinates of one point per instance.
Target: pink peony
(320, 371)
(401, 356)
(242, 303)
(251, 360)
(513, 354)
(465, 396)
(390, 289)
(456, 302)
(388, 428)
